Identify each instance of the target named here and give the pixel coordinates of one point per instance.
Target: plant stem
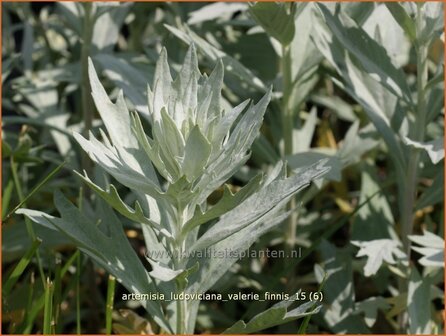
(181, 312)
(287, 117)
(35, 189)
(78, 288)
(180, 317)
(109, 305)
(418, 135)
(180, 304)
(57, 296)
(48, 310)
(287, 128)
(87, 102)
(28, 223)
(22, 199)
(410, 188)
(26, 320)
(87, 113)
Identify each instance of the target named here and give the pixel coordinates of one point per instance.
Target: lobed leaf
(112, 197)
(370, 308)
(432, 249)
(127, 77)
(276, 315)
(377, 251)
(259, 205)
(434, 194)
(109, 159)
(100, 245)
(227, 202)
(434, 148)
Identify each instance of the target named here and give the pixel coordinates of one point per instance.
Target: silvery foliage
(379, 251)
(431, 248)
(194, 147)
(365, 58)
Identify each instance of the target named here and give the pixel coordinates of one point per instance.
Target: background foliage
(360, 84)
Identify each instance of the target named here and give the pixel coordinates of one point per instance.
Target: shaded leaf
(127, 77)
(403, 19)
(372, 56)
(213, 54)
(370, 308)
(418, 303)
(339, 294)
(434, 194)
(273, 17)
(375, 220)
(108, 25)
(101, 246)
(379, 104)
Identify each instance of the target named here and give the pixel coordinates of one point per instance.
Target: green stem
(419, 127)
(87, 102)
(48, 310)
(30, 303)
(35, 189)
(410, 188)
(180, 317)
(36, 305)
(28, 223)
(287, 126)
(181, 305)
(78, 298)
(287, 117)
(57, 296)
(109, 305)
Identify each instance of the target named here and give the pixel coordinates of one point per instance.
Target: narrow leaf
(372, 56)
(20, 267)
(418, 303)
(403, 19)
(196, 154)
